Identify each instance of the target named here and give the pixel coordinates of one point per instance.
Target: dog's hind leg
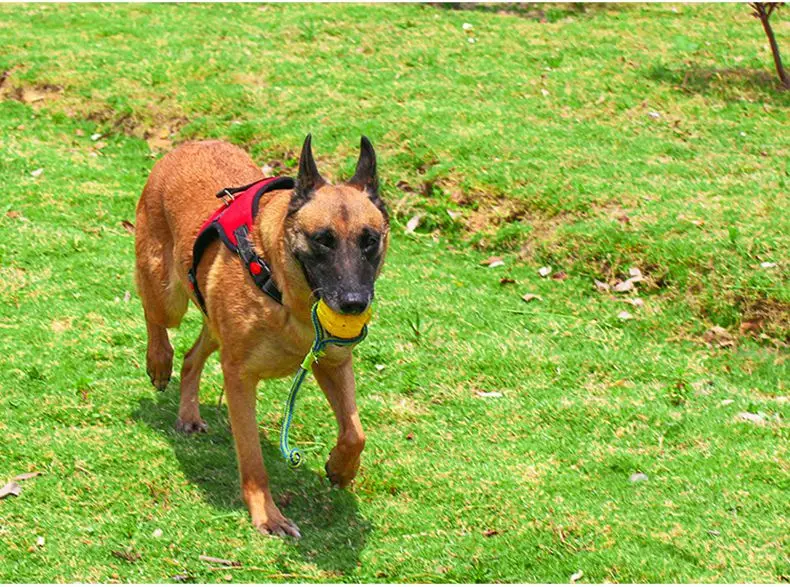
(164, 299)
(189, 420)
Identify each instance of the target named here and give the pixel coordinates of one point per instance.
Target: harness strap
(232, 223)
(258, 269)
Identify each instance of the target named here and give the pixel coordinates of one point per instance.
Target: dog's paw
(337, 478)
(191, 426)
(279, 526)
(159, 370)
(341, 472)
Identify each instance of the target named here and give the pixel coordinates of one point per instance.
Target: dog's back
(180, 192)
(176, 200)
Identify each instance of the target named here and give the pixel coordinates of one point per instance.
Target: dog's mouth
(348, 305)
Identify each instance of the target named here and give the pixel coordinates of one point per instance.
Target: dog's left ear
(366, 176)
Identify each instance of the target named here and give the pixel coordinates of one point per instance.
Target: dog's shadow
(333, 531)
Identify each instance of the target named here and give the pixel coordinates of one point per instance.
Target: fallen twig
(219, 561)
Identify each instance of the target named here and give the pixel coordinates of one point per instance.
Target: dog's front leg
(337, 382)
(240, 391)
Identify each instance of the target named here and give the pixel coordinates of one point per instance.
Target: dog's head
(339, 233)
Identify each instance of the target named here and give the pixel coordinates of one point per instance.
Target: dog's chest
(281, 355)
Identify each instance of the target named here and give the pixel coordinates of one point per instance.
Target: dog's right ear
(308, 179)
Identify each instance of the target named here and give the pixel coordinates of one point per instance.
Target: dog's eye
(369, 241)
(323, 238)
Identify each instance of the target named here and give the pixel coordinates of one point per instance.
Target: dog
(317, 241)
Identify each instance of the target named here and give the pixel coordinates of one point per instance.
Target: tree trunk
(764, 16)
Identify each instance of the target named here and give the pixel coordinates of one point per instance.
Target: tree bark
(764, 16)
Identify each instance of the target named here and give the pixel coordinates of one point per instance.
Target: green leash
(322, 340)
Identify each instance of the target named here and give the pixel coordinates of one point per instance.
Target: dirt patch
(161, 139)
(37, 95)
(765, 318)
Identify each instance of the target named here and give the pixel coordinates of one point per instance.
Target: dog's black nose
(353, 303)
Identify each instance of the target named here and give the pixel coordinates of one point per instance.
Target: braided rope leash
(322, 340)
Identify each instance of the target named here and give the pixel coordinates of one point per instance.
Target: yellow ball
(342, 325)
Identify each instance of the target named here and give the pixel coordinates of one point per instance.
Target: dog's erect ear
(366, 176)
(308, 179)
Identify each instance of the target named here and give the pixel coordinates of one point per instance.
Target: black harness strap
(258, 269)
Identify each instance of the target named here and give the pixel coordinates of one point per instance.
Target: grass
(529, 486)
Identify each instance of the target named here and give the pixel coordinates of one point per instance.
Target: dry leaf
(413, 223)
(636, 302)
(79, 132)
(410, 436)
(720, 336)
(128, 226)
(767, 265)
(40, 541)
(602, 286)
(624, 286)
(624, 315)
(506, 281)
(638, 478)
(404, 186)
(12, 488)
(96, 136)
(530, 296)
(492, 261)
(126, 555)
(544, 271)
(636, 275)
(127, 296)
(219, 561)
(490, 533)
(748, 326)
(560, 276)
(727, 402)
(576, 576)
(157, 533)
(37, 172)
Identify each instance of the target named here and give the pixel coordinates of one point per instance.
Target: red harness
(232, 224)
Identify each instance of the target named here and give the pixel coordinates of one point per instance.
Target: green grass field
(502, 434)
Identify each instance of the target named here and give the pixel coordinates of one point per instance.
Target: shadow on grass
(333, 530)
(530, 10)
(728, 82)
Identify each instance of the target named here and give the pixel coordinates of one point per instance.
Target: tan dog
(320, 240)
